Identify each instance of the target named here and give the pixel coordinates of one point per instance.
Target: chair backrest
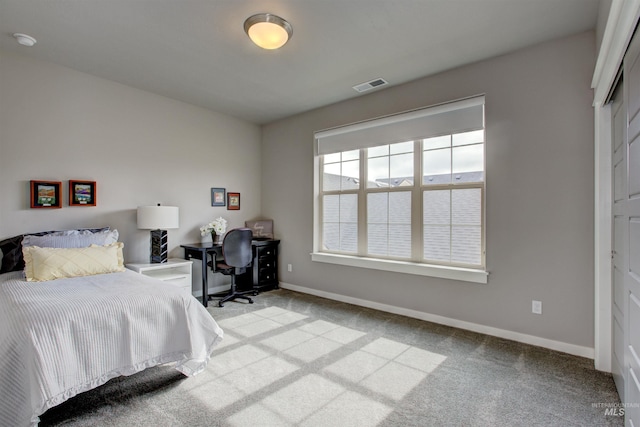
(236, 247)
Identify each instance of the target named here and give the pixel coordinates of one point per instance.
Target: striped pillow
(80, 240)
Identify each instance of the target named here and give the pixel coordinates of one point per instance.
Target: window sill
(443, 272)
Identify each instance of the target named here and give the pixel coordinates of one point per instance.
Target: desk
(262, 272)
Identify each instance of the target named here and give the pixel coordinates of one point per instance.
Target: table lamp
(158, 219)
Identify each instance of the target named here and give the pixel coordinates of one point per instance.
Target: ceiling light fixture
(268, 31)
(24, 39)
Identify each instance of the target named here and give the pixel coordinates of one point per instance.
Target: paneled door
(630, 214)
(618, 258)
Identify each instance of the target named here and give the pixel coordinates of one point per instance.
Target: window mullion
(389, 220)
(362, 204)
(319, 211)
(451, 200)
(483, 242)
(417, 233)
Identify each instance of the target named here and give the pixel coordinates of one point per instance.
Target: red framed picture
(46, 194)
(82, 193)
(233, 201)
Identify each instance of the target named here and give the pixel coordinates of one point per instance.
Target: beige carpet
(292, 359)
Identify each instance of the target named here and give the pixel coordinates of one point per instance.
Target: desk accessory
(216, 228)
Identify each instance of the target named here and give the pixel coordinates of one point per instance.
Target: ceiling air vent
(363, 87)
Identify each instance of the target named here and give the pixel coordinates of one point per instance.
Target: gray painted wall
(603, 15)
(539, 194)
(59, 124)
(142, 149)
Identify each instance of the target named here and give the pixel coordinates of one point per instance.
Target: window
(405, 192)
(452, 198)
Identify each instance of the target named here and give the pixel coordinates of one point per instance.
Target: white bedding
(66, 336)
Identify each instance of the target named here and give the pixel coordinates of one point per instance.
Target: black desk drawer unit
(267, 259)
(264, 267)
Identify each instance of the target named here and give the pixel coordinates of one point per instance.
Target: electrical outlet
(536, 307)
(289, 268)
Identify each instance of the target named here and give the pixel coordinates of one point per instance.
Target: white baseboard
(573, 349)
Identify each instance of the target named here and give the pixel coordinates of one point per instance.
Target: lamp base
(159, 246)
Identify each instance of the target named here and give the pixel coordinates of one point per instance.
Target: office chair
(237, 253)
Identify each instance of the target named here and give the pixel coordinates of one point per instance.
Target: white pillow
(69, 232)
(75, 240)
(42, 264)
(79, 231)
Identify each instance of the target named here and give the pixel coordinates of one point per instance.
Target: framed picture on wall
(82, 193)
(233, 201)
(217, 197)
(46, 194)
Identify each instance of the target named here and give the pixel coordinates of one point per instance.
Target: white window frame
(476, 275)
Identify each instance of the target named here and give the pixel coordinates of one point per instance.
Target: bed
(63, 336)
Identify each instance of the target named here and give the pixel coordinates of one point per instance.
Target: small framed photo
(233, 201)
(217, 197)
(46, 194)
(82, 193)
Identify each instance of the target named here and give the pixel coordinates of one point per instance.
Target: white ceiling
(196, 51)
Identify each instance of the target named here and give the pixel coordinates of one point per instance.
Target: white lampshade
(158, 217)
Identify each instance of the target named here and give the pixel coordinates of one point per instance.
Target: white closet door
(618, 300)
(631, 215)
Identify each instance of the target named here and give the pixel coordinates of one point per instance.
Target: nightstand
(175, 271)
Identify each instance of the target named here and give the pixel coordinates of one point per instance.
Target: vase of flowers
(216, 228)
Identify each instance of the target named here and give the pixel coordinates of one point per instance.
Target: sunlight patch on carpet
(369, 378)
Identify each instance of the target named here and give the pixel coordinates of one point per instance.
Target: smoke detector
(24, 39)
(372, 84)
